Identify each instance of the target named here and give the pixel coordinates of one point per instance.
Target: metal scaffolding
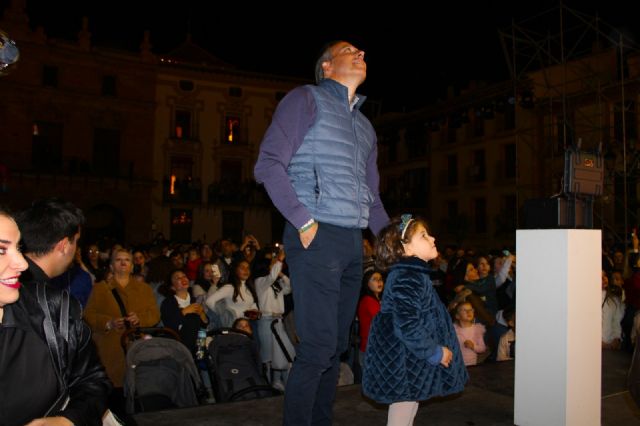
(576, 81)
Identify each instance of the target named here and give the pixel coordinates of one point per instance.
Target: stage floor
(487, 400)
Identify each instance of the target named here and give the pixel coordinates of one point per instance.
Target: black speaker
(558, 212)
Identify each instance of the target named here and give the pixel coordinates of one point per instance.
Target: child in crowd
(612, 311)
(243, 324)
(507, 344)
(470, 334)
(412, 352)
(369, 305)
(271, 287)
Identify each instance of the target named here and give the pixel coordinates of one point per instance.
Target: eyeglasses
(94, 251)
(467, 310)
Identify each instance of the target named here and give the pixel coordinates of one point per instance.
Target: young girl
(507, 345)
(612, 311)
(412, 353)
(470, 334)
(368, 306)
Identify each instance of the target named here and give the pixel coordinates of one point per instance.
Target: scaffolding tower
(576, 82)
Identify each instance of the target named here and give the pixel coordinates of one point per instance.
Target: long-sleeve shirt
(269, 302)
(294, 116)
(368, 307)
(243, 302)
(475, 333)
(612, 313)
(502, 276)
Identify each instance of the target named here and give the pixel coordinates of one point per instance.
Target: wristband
(307, 226)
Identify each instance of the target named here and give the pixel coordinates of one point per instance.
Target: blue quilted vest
(328, 172)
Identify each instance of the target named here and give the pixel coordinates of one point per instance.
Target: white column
(558, 327)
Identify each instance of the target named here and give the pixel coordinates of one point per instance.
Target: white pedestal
(558, 327)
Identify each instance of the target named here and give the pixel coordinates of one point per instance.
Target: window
(180, 184)
(235, 92)
(416, 142)
(478, 171)
(452, 209)
(181, 169)
(106, 151)
(389, 139)
(480, 211)
(478, 126)
(452, 169)
(50, 76)
(511, 207)
(452, 134)
(230, 172)
(109, 85)
(181, 223)
(507, 219)
(182, 128)
(232, 130)
(46, 151)
(186, 85)
(417, 189)
(510, 161)
(509, 116)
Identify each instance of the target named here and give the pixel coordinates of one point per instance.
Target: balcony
(247, 193)
(185, 191)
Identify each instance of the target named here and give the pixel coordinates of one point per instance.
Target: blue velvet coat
(409, 329)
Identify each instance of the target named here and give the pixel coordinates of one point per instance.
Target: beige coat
(102, 307)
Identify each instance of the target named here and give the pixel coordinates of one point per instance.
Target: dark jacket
(80, 370)
(405, 338)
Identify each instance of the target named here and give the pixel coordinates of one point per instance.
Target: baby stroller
(235, 367)
(161, 373)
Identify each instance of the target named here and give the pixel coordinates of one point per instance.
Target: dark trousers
(325, 280)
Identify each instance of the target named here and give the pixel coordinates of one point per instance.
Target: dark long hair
(389, 248)
(613, 292)
(365, 290)
(235, 281)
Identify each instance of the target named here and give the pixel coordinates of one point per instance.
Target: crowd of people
(224, 284)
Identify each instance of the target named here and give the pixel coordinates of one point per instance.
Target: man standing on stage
(318, 163)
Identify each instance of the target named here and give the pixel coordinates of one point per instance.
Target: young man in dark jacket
(44, 328)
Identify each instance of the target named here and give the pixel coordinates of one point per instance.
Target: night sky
(412, 56)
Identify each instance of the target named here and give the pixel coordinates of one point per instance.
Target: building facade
(210, 119)
(143, 143)
(77, 122)
(470, 163)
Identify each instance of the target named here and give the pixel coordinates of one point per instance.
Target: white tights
(402, 413)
